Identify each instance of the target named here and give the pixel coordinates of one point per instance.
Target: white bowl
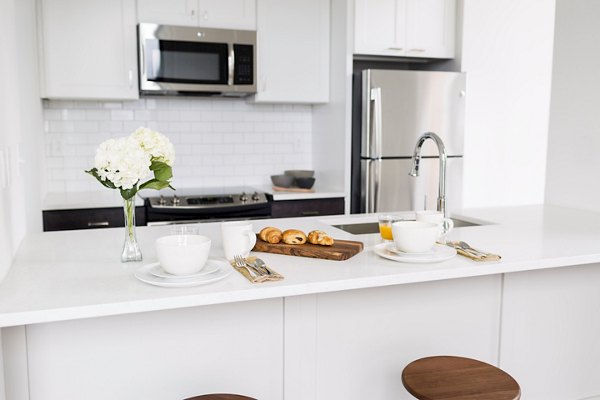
(415, 236)
(182, 254)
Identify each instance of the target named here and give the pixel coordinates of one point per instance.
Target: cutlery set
(255, 269)
(464, 249)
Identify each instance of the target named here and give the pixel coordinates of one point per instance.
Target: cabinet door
(60, 220)
(173, 12)
(88, 49)
(306, 208)
(231, 14)
(430, 28)
(293, 51)
(375, 28)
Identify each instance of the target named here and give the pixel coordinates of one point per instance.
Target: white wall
(574, 141)
(20, 128)
(507, 54)
(331, 121)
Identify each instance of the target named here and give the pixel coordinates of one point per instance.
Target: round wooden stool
(458, 378)
(221, 396)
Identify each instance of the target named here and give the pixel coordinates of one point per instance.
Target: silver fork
(241, 263)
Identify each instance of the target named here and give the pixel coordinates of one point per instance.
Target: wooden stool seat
(458, 378)
(221, 396)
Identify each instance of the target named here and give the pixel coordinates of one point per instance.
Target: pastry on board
(320, 237)
(294, 236)
(271, 234)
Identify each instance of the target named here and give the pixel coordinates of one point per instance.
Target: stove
(221, 204)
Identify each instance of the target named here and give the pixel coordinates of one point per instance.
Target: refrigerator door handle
(373, 186)
(377, 131)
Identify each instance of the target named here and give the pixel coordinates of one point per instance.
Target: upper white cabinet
(88, 49)
(407, 28)
(230, 14)
(293, 51)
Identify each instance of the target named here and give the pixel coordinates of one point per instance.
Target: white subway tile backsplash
(121, 115)
(60, 126)
(53, 115)
(178, 126)
(85, 126)
(97, 115)
(144, 115)
(218, 142)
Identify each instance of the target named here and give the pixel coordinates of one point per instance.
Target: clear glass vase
(131, 249)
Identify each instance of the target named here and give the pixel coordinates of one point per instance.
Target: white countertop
(318, 193)
(77, 274)
(102, 198)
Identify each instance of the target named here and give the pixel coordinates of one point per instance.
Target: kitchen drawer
(60, 220)
(307, 208)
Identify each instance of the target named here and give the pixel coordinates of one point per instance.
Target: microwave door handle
(230, 66)
(143, 61)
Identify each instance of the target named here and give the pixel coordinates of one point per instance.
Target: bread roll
(320, 237)
(294, 236)
(271, 235)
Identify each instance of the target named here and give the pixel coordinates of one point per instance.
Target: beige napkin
(465, 250)
(274, 276)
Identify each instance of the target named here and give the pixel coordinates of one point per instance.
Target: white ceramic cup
(437, 217)
(182, 254)
(238, 238)
(415, 236)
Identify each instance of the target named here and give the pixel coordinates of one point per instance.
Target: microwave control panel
(244, 64)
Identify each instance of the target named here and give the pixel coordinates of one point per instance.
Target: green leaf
(162, 172)
(155, 184)
(128, 193)
(104, 182)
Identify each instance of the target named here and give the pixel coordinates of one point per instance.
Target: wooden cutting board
(340, 251)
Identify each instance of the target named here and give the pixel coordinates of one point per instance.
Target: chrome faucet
(441, 200)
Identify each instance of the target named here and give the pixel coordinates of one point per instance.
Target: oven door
(175, 59)
(166, 216)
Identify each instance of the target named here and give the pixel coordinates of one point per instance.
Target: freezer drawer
(386, 185)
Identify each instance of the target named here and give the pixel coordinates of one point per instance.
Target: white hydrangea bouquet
(123, 164)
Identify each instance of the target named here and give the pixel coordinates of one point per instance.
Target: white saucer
(211, 266)
(391, 247)
(144, 275)
(438, 253)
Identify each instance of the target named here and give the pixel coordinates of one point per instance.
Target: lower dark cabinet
(307, 208)
(61, 220)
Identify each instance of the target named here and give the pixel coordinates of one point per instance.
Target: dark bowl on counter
(300, 173)
(284, 181)
(305, 183)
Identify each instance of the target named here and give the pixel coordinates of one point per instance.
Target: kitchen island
(75, 320)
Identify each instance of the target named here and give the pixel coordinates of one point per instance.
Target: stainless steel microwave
(189, 60)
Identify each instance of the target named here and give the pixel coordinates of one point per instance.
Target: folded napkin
(273, 276)
(465, 250)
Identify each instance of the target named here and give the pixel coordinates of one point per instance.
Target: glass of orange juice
(385, 225)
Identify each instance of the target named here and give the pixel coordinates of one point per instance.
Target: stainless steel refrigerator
(396, 107)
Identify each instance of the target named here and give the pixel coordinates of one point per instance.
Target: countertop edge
(123, 308)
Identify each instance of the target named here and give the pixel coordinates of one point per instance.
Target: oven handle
(197, 221)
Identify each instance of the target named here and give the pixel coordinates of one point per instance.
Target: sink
(362, 228)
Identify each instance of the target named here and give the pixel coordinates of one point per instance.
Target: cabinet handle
(130, 77)
(97, 224)
(417, 50)
(309, 213)
(395, 48)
